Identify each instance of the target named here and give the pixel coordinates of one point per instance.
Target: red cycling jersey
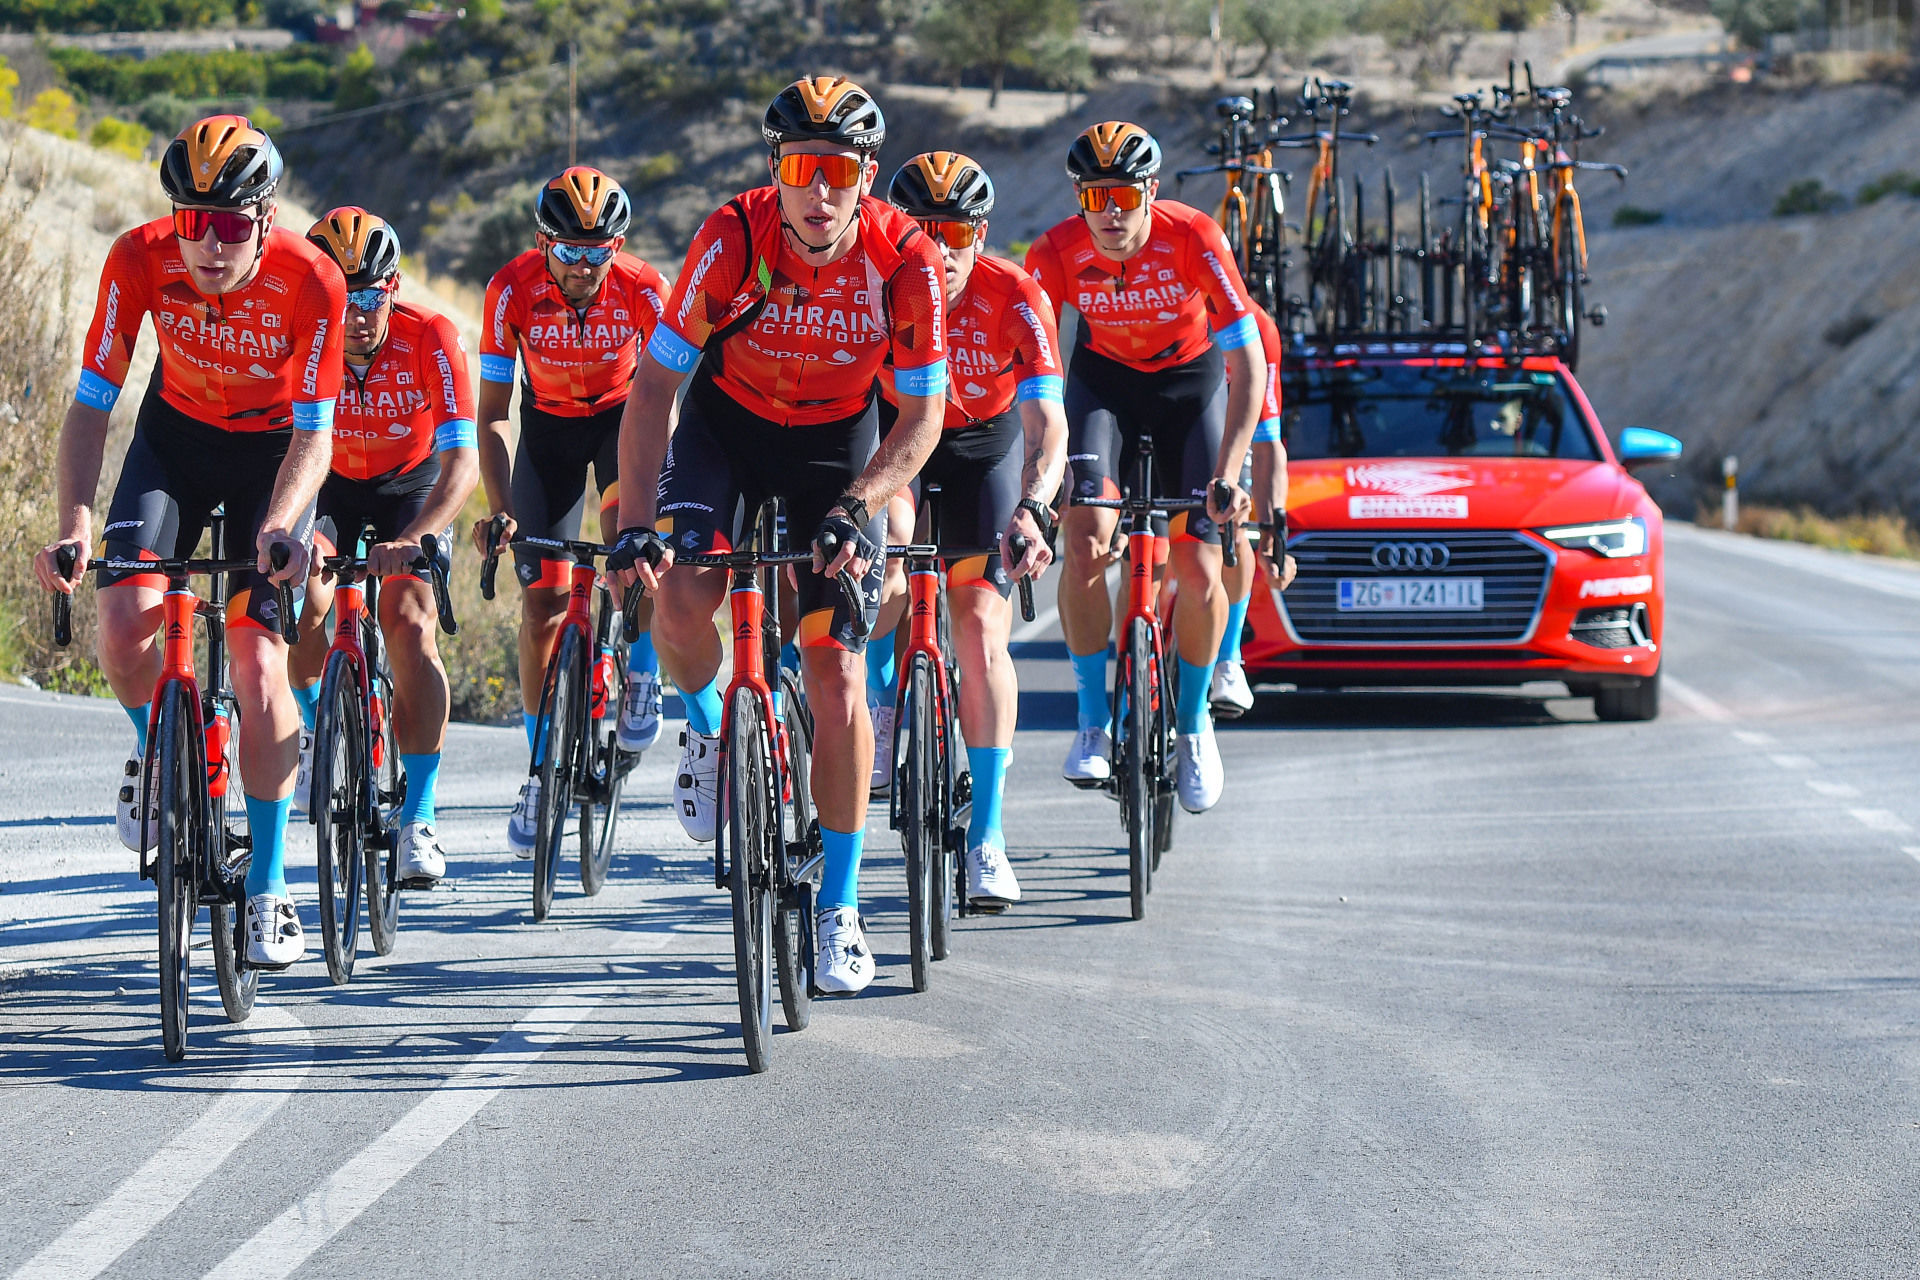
(577, 362)
(813, 350)
(1002, 346)
(1152, 311)
(413, 400)
(1268, 429)
(261, 358)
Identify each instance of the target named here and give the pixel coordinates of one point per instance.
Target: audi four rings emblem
(1411, 555)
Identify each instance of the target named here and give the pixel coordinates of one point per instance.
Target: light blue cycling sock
(703, 708)
(139, 717)
(423, 775)
(1236, 620)
(1195, 684)
(989, 766)
(308, 698)
(883, 676)
(267, 821)
(641, 657)
(840, 872)
(1090, 689)
(532, 723)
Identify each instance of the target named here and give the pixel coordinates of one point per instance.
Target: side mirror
(1644, 447)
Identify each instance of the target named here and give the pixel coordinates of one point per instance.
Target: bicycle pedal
(418, 883)
(988, 907)
(1090, 784)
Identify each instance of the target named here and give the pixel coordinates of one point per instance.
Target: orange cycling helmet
(1113, 149)
(362, 243)
(222, 162)
(942, 184)
(825, 109)
(583, 204)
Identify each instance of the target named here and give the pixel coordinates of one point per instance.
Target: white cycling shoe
(639, 725)
(843, 964)
(1087, 765)
(1199, 777)
(1231, 696)
(132, 819)
(990, 878)
(274, 939)
(421, 857)
(523, 824)
(882, 782)
(303, 778)
(696, 785)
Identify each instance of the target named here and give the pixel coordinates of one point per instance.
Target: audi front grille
(1514, 573)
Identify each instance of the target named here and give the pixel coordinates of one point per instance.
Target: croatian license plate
(1411, 595)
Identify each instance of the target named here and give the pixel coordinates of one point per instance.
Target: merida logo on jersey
(110, 324)
(693, 283)
(1226, 284)
(1025, 312)
(310, 383)
(500, 318)
(449, 396)
(1096, 301)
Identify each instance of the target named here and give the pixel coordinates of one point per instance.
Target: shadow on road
(1409, 709)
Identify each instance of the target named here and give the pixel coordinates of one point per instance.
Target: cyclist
(1265, 476)
(1163, 315)
(403, 460)
(795, 293)
(240, 414)
(576, 311)
(1005, 384)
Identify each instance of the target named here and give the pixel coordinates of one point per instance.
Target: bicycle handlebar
(488, 565)
(65, 558)
(428, 559)
(1229, 550)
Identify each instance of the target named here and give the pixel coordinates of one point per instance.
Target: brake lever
(856, 605)
(278, 556)
(1229, 548)
(64, 559)
(437, 576)
(495, 527)
(630, 599)
(1019, 545)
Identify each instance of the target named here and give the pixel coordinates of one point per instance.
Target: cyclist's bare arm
(83, 443)
(646, 428)
(1043, 423)
(915, 435)
(1269, 496)
(496, 455)
(459, 473)
(1246, 393)
(302, 472)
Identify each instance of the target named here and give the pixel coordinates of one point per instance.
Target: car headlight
(1613, 539)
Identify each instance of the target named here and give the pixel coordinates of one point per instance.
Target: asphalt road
(1449, 984)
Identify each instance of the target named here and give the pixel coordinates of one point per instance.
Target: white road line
(1833, 790)
(1786, 761)
(282, 1246)
(163, 1183)
(1911, 850)
(1697, 702)
(1753, 737)
(1881, 820)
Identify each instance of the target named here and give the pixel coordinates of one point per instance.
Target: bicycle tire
(1138, 783)
(920, 838)
(238, 984)
(1568, 271)
(382, 848)
(558, 734)
(178, 856)
(749, 872)
(793, 942)
(949, 878)
(339, 806)
(600, 813)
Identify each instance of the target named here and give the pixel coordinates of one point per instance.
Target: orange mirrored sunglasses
(955, 235)
(839, 171)
(1094, 199)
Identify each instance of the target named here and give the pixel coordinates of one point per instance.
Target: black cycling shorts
(725, 461)
(387, 504)
(550, 483)
(177, 470)
(1110, 406)
(978, 470)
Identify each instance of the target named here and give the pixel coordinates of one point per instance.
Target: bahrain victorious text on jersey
(261, 358)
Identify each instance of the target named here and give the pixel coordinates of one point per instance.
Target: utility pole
(573, 98)
(1215, 23)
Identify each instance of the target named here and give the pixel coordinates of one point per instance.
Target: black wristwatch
(1041, 516)
(856, 510)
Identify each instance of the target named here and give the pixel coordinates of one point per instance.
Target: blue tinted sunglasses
(572, 255)
(369, 299)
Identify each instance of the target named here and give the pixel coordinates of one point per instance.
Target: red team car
(1462, 526)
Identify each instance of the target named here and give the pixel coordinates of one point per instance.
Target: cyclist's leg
(1094, 458)
(337, 516)
(640, 717)
(881, 645)
(1194, 418)
(549, 498)
(409, 624)
(1229, 692)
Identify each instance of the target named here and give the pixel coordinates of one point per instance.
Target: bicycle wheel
(380, 842)
(751, 811)
(1138, 781)
(1567, 282)
(600, 815)
(922, 835)
(561, 711)
(793, 934)
(1164, 759)
(340, 779)
(950, 872)
(238, 984)
(181, 801)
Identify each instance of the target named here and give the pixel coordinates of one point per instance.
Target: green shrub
(1808, 195)
(220, 73)
(111, 15)
(1900, 182)
(53, 110)
(165, 113)
(122, 136)
(1632, 215)
(656, 169)
(9, 81)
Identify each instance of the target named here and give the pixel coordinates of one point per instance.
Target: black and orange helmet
(825, 109)
(583, 203)
(362, 243)
(222, 162)
(1113, 149)
(942, 184)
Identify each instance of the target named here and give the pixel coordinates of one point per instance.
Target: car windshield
(1407, 411)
